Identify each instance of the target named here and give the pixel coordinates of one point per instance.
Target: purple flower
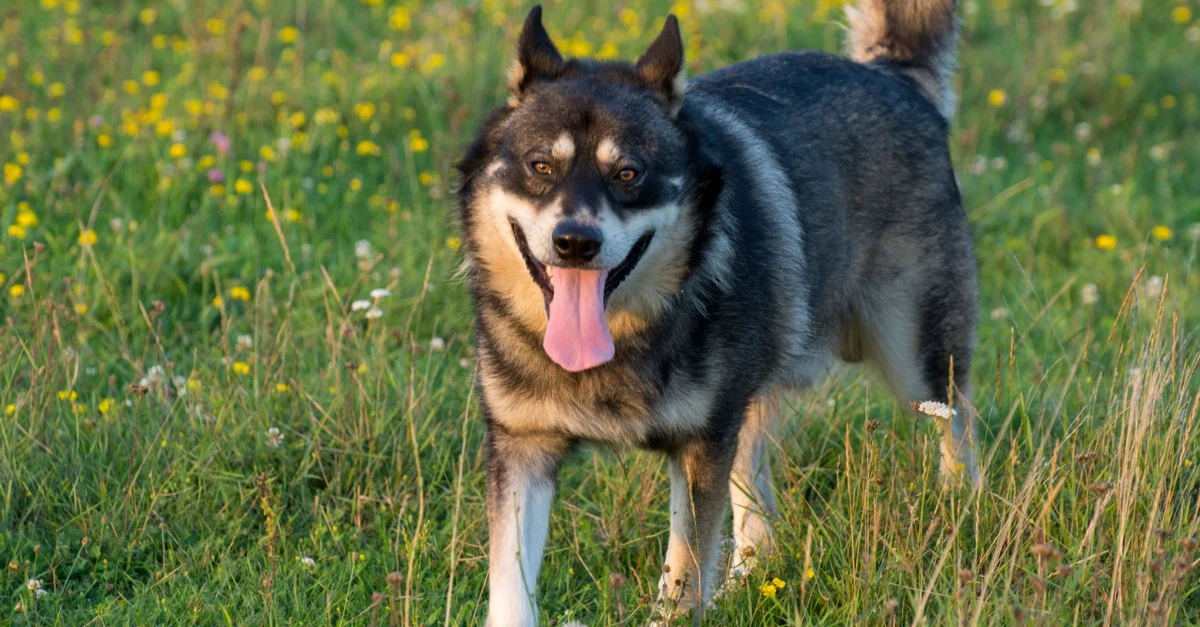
(96, 121)
(221, 141)
(216, 176)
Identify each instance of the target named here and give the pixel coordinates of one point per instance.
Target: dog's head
(576, 194)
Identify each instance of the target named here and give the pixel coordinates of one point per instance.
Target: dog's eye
(541, 167)
(627, 175)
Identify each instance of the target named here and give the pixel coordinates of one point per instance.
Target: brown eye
(541, 167)
(627, 175)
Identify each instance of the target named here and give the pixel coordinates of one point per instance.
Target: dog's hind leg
(751, 490)
(520, 487)
(699, 491)
(916, 332)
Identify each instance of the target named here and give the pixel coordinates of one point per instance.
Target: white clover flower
(1154, 286)
(374, 313)
(362, 249)
(1090, 295)
(308, 562)
(1083, 132)
(380, 292)
(464, 362)
(935, 409)
(179, 382)
(274, 437)
(999, 163)
(437, 344)
(33, 584)
(1000, 312)
(40, 592)
(1194, 232)
(360, 305)
(979, 165)
(245, 342)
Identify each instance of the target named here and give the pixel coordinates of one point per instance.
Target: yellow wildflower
(16, 231)
(87, 238)
(367, 147)
(12, 173)
(241, 367)
(453, 243)
(8, 103)
(365, 111)
(778, 583)
(106, 406)
(997, 97)
(416, 142)
(10, 409)
(283, 388)
(150, 78)
(809, 574)
(401, 60)
(1181, 15)
(147, 16)
(16, 291)
(768, 590)
(217, 302)
(400, 19)
(81, 309)
(103, 140)
(1106, 242)
(177, 151)
(239, 293)
(288, 34)
(1161, 232)
(242, 186)
(67, 395)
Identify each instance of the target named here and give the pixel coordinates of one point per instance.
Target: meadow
(217, 408)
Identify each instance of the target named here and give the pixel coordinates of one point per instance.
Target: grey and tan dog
(652, 259)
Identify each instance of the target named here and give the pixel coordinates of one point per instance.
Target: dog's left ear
(537, 58)
(662, 65)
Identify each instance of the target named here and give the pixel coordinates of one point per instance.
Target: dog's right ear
(537, 58)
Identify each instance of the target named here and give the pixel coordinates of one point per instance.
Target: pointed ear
(662, 65)
(537, 58)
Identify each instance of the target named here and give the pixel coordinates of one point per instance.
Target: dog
(653, 258)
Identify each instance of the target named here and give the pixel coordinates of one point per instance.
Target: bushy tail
(919, 37)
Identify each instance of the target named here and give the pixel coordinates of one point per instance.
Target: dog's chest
(621, 411)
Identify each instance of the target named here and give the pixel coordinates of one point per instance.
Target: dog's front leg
(699, 491)
(521, 471)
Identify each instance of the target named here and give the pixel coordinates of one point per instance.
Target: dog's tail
(916, 37)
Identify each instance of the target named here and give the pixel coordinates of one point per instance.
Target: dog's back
(863, 144)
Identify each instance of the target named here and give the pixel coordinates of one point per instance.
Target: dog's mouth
(541, 272)
(577, 336)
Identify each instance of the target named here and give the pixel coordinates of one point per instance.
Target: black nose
(577, 243)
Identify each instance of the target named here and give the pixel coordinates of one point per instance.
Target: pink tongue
(577, 336)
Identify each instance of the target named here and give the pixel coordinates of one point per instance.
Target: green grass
(165, 505)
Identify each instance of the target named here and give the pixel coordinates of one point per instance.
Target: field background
(197, 425)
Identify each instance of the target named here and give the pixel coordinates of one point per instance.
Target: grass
(198, 426)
